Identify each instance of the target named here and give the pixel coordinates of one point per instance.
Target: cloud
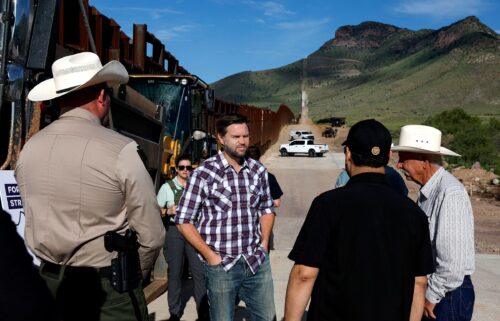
(442, 8)
(175, 32)
(304, 24)
(270, 8)
(155, 13)
(275, 9)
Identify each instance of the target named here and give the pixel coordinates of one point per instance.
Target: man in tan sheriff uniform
(79, 180)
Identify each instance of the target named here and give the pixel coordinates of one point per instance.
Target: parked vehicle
(334, 121)
(307, 137)
(302, 146)
(329, 132)
(297, 134)
(338, 121)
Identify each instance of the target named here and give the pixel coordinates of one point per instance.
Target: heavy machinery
(160, 107)
(166, 109)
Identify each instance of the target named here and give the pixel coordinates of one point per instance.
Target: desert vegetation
(475, 140)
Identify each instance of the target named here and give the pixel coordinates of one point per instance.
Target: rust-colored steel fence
(264, 124)
(113, 44)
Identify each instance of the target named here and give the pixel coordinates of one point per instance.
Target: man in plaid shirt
(227, 214)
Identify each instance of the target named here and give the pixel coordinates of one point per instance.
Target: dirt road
(303, 178)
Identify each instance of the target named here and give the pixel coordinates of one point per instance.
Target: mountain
(382, 71)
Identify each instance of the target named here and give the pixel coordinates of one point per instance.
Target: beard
(234, 152)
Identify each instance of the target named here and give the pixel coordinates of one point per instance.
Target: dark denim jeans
(174, 250)
(457, 305)
(256, 290)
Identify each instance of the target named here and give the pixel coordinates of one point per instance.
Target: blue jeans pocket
(466, 301)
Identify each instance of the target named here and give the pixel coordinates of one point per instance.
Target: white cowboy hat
(75, 72)
(421, 139)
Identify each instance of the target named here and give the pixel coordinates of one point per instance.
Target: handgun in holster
(126, 268)
(165, 219)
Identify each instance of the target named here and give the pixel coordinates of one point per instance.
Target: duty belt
(53, 268)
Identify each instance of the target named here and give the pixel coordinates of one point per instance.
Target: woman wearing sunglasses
(176, 248)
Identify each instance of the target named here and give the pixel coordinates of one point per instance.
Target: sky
(214, 39)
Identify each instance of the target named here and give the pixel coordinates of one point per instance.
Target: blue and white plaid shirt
(226, 206)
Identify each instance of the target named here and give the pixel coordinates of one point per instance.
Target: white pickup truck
(302, 146)
(299, 134)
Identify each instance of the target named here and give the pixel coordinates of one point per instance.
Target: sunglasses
(187, 168)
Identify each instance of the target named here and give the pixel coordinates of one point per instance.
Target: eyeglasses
(187, 168)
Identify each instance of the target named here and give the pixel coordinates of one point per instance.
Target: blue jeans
(256, 290)
(457, 305)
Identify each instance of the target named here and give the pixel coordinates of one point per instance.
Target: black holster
(166, 221)
(126, 268)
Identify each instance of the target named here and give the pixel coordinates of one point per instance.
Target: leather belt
(53, 268)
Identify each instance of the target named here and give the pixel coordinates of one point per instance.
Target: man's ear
(220, 138)
(101, 99)
(102, 108)
(425, 163)
(348, 155)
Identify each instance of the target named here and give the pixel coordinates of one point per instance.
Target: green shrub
(466, 135)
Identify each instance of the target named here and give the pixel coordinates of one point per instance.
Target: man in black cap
(363, 252)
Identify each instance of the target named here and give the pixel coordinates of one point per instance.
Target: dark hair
(369, 142)
(81, 97)
(225, 121)
(370, 161)
(253, 152)
(181, 158)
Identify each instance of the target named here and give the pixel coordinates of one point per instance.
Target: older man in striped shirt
(226, 213)
(450, 293)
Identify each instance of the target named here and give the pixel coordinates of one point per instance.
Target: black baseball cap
(369, 138)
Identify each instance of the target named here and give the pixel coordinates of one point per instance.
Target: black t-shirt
(275, 188)
(369, 242)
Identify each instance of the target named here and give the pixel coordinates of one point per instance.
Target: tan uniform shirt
(79, 180)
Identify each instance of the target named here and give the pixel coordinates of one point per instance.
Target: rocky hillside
(383, 71)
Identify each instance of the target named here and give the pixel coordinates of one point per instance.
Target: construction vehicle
(333, 121)
(166, 109)
(329, 132)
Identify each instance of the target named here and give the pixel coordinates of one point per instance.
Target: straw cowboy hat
(75, 72)
(421, 139)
